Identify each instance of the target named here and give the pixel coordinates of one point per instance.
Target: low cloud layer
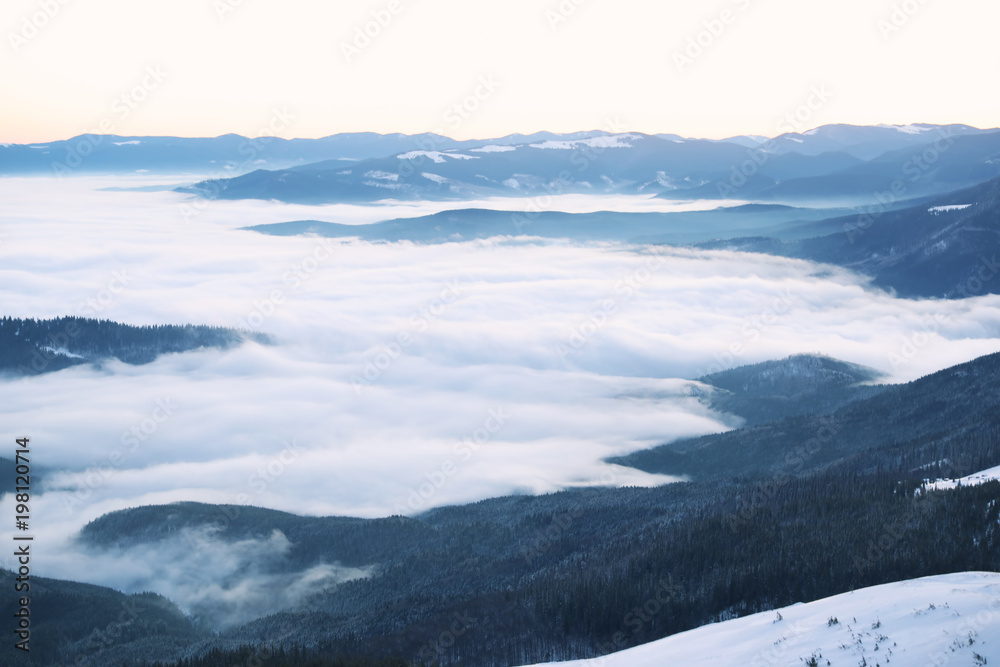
(404, 377)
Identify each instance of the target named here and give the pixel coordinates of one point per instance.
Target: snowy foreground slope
(944, 620)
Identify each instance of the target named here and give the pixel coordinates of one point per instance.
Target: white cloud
(582, 347)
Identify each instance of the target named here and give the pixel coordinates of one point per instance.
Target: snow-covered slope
(971, 480)
(944, 620)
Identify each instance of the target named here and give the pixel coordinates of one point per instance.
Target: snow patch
(134, 142)
(606, 141)
(436, 156)
(493, 149)
(970, 480)
(62, 352)
(796, 140)
(382, 175)
(906, 129)
(512, 183)
(663, 179)
(947, 209)
(383, 184)
(434, 177)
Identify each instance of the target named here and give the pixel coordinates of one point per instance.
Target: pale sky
(208, 67)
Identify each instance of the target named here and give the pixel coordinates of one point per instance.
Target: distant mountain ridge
(650, 227)
(233, 154)
(943, 157)
(226, 155)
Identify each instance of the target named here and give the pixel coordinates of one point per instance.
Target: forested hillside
(32, 347)
(581, 573)
(799, 385)
(938, 414)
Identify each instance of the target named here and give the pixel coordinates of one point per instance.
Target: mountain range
(832, 163)
(835, 165)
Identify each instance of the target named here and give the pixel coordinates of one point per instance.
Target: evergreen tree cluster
(31, 347)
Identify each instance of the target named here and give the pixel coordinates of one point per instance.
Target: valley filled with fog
(399, 376)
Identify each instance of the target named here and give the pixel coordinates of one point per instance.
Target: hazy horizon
(803, 130)
(442, 65)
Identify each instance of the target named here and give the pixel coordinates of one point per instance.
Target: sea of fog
(403, 376)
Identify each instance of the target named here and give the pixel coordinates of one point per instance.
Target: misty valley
(594, 398)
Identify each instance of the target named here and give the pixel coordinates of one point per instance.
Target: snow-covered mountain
(974, 479)
(817, 167)
(951, 619)
(864, 142)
